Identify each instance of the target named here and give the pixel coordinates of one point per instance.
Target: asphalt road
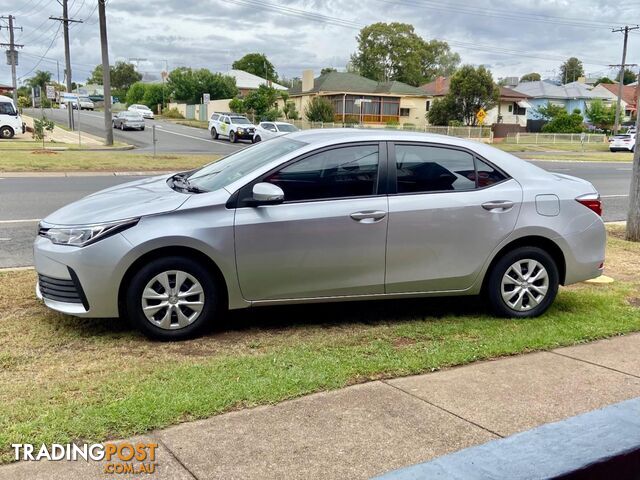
(171, 138)
(26, 200)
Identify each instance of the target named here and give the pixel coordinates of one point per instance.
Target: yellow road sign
(481, 115)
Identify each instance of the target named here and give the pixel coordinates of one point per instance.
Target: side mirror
(267, 194)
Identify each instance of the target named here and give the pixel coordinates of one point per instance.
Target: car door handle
(498, 205)
(370, 216)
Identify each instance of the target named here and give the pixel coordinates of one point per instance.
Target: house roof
(628, 92)
(249, 81)
(345, 82)
(512, 95)
(543, 89)
(438, 87)
(5, 87)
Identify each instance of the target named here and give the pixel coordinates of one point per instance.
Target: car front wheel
(172, 298)
(257, 139)
(232, 137)
(523, 283)
(6, 132)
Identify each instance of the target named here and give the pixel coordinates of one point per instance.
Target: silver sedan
(317, 216)
(128, 120)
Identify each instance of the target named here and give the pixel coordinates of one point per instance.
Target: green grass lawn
(594, 152)
(65, 379)
(73, 161)
(193, 123)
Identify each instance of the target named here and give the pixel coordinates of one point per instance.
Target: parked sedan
(128, 120)
(623, 143)
(318, 216)
(266, 130)
(142, 110)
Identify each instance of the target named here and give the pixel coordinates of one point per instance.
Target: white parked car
(10, 121)
(623, 143)
(266, 130)
(231, 125)
(143, 110)
(85, 104)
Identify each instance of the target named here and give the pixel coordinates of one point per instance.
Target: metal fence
(551, 138)
(479, 133)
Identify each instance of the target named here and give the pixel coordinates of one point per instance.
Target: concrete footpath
(366, 430)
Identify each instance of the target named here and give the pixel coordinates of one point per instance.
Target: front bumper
(246, 134)
(98, 269)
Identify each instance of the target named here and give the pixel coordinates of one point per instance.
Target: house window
(404, 112)
(510, 108)
(518, 110)
(428, 105)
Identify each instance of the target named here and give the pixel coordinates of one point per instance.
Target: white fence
(478, 133)
(551, 138)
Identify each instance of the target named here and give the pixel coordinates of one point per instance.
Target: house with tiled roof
(356, 99)
(628, 100)
(572, 96)
(511, 108)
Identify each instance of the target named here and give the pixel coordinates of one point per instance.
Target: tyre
(122, 127)
(6, 132)
(114, 124)
(172, 298)
(523, 283)
(232, 137)
(142, 129)
(257, 139)
(214, 133)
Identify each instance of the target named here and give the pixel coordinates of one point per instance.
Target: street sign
(68, 97)
(360, 101)
(51, 92)
(164, 74)
(481, 115)
(206, 97)
(12, 54)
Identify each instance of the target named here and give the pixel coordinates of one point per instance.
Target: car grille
(67, 291)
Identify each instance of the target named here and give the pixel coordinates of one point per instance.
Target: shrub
(172, 113)
(237, 105)
(319, 110)
(24, 102)
(40, 128)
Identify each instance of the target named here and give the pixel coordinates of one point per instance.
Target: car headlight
(82, 235)
(240, 129)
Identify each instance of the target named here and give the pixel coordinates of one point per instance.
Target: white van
(10, 121)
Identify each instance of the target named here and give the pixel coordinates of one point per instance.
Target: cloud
(525, 36)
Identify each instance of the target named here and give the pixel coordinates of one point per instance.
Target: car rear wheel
(6, 132)
(214, 133)
(523, 283)
(172, 298)
(232, 137)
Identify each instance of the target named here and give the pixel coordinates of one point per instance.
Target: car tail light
(592, 202)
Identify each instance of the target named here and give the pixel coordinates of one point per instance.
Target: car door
(448, 210)
(224, 125)
(327, 238)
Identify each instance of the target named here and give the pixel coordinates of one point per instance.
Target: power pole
(626, 29)
(106, 73)
(67, 54)
(12, 55)
(633, 215)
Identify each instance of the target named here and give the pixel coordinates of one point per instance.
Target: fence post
(490, 136)
(447, 129)
(537, 137)
(469, 134)
(554, 138)
(518, 138)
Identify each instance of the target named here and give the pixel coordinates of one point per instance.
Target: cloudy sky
(511, 37)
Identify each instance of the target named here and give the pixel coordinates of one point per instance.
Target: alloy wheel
(172, 300)
(524, 285)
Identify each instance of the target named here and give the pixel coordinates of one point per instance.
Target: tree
(603, 80)
(257, 64)
(600, 115)
(550, 111)
(393, 51)
(187, 85)
(327, 70)
(123, 75)
(236, 105)
(260, 102)
(531, 77)
(443, 111)
(470, 90)
(288, 107)
(136, 93)
(319, 110)
(629, 76)
(40, 128)
(571, 70)
(40, 79)
(153, 95)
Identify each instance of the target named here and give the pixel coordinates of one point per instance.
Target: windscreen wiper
(182, 182)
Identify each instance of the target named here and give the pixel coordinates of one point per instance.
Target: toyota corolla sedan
(322, 216)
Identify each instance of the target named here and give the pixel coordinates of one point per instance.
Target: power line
(55, 37)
